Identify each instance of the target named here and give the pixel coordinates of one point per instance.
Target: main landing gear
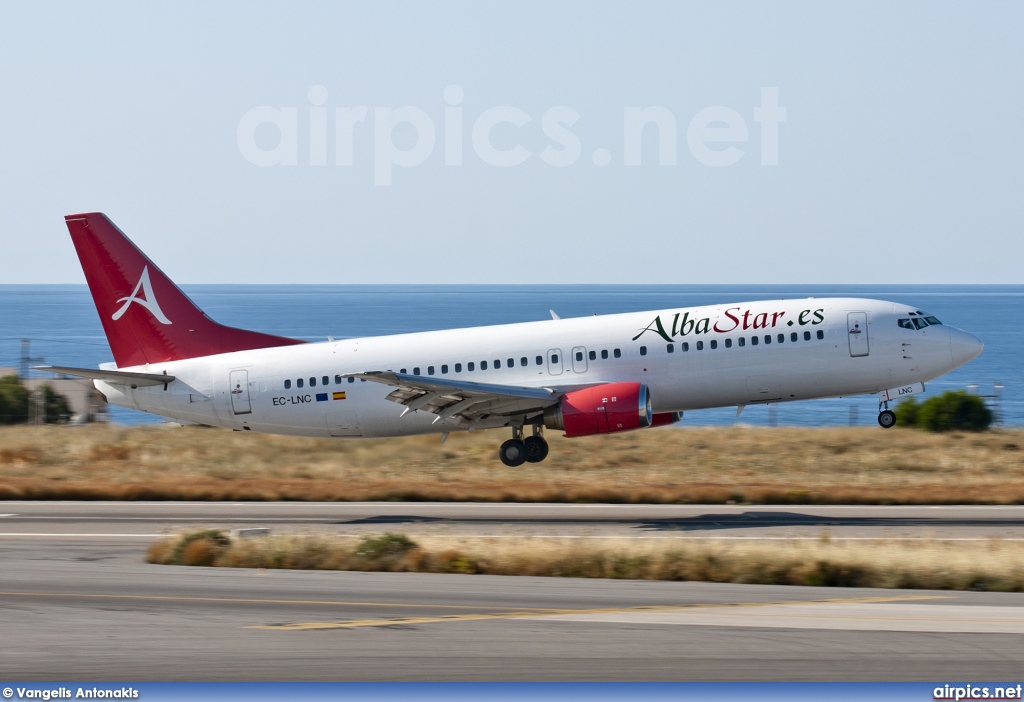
(886, 417)
(517, 450)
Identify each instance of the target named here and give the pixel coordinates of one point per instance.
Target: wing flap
(449, 398)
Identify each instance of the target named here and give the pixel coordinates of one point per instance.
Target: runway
(78, 602)
(148, 520)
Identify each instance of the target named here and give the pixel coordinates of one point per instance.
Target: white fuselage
(818, 348)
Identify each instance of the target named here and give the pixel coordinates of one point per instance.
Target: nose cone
(963, 346)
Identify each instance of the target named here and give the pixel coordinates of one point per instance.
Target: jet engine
(602, 409)
(662, 419)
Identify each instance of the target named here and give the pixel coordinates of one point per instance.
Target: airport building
(86, 402)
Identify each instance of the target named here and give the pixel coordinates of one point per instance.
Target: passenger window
(685, 346)
(312, 382)
(470, 367)
(807, 336)
(298, 383)
(753, 341)
(430, 370)
(618, 353)
(511, 363)
(742, 341)
(714, 343)
(604, 353)
(700, 345)
(524, 361)
(579, 355)
(592, 355)
(794, 337)
(287, 385)
(458, 367)
(325, 380)
(416, 371)
(782, 338)
(444, 369)
(554, 358)
(821, 334)
(767, 338)
(670, 348)
(497, 364)
(337, 380)
(728, 343)
(483, 365)
(540, 360)
(643, 350)
(351, 379)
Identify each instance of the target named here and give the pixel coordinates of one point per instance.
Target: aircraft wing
(449, 398)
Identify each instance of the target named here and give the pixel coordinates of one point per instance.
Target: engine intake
(602, 409)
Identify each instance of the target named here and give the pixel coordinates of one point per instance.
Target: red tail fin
(146, 317)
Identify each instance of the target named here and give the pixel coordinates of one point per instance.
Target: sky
(486, 142)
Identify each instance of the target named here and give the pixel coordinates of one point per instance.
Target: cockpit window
(917, 322)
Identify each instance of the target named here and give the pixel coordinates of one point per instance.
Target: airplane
(582, 376)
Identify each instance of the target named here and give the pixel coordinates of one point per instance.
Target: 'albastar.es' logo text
(149, 301)
(732, 319)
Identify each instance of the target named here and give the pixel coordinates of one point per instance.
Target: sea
(63, 328)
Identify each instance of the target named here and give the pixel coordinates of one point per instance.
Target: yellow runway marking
(242, 600)
(405, 621)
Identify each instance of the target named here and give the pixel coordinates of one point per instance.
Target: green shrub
(386, 545)
(384, 552)
(13, 401)
(907, 412)
(57, 407)
(950, 411)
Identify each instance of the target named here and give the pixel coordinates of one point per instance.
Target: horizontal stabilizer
(111, 376)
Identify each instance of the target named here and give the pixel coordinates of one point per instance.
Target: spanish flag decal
(339, 396)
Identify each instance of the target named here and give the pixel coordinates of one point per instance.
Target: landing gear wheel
(887, 419)
(536, 449)
(512, 453)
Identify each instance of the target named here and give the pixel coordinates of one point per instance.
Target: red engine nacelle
(602, 409)
(663, 419)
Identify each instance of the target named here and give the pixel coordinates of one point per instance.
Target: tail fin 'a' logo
(149, 301)
(113, 265)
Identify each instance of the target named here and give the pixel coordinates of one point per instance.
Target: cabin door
(239, 387)
(857, 326)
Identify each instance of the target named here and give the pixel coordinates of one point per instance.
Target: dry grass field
(665, 465)
(943, 565)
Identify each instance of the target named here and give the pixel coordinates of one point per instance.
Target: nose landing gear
(518, 450)
(886, 417)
